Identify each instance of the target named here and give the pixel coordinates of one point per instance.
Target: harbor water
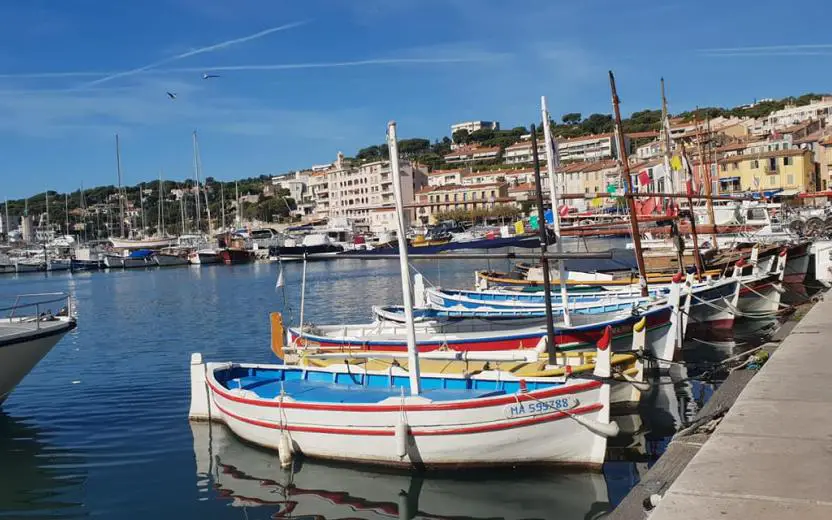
(100, 429)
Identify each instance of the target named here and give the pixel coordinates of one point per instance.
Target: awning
(729, 179)
(787, 193)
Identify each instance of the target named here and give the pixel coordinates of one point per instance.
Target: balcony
(770, 171)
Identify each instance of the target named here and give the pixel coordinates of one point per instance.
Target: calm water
(100, 427)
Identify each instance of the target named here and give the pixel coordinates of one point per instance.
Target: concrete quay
(771, 455)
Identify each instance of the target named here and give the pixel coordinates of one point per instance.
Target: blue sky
(303, 80)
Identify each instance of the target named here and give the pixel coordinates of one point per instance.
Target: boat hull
(505, 430)
(235, 256)
(169, 260)
(133, 263)
(30, 268)
(141, 244)
(761, 299)
(18, 356)
(711, 307)
(204, 257)
(797, 265)
(113, 262)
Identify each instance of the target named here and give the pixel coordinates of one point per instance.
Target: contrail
(324, 65)
(194, 52)
(253, 68)
(768, 48)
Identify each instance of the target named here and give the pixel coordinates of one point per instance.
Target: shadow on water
(246, 477)
(38, 479)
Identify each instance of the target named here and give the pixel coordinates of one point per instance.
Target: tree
(410, 147)
(598, 124)
(572, 118)
(461, 137)
(482, 135)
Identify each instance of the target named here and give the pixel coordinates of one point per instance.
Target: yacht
(28, 331)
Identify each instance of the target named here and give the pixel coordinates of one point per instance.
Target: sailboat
(404, 418)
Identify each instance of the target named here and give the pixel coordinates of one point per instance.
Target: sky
(301, 80)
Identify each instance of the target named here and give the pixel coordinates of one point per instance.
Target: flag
(643, 179)
(676, 163)
(756, 182)
(280, 283)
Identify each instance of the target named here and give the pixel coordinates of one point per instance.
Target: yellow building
(791, 169)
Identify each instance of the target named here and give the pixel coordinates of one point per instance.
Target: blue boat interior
(343, 387)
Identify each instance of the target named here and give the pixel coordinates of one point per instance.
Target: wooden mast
(628, 185)
(697, 258)
(706, 180)
(544, 246)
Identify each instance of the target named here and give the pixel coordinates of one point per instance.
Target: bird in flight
(172, 95)
(209, 76)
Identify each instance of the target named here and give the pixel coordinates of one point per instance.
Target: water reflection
(37, 478)
(248, 477)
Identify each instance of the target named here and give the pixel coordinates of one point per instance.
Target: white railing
(42, 307)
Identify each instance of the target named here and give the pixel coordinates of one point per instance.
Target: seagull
(172, 95)
(209, 76)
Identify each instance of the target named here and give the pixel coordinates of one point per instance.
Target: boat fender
(284, 449)
(523, 387)
(402, 434)
(608, 430)
(276, 320)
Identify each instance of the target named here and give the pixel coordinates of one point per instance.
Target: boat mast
(222, 203)
(83, 210)
(160, 224)
(552, 161)
(120, 192)
(8, 225)
(628, 185)
(667, 144)
(544, 246)
(705, 178)
(198, 163)
(239, 209)
(404, 265)
(196, 177)
(66, 211)
(697, 258)
(46, 193)
(141, 208)
(182, 211)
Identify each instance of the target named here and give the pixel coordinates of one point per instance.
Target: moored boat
(230, 256)
(204, 256)
(113, 261)
(170, 257)
(28, 331)
(139, 258)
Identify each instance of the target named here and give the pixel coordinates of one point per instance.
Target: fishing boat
(112, 261)
(345, 413)
(204, 256)
(798, 263)
(29, 265)
(140, 258)
(230, 256)
(342, 412)
(149, 243)
(167, 257)
(58, 264)
(34, 324)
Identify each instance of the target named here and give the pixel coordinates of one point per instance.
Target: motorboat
(139, 258)
(204, 256)
(170, 256)
(31, 326)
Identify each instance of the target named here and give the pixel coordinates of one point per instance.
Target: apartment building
(791, 170)
(472, 154)
(319, 193)
(443, 177)
(590, 148)
(432, 200)
(473, 126)
(521, 153)
(356, 191)
(792, 114)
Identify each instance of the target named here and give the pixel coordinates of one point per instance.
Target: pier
(769, 457)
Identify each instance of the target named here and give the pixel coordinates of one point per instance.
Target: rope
(764, 296)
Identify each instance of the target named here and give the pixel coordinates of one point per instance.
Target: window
(790, 179)
(735, 166)
(772, 164)
(447, 197)
(772, 181)
(493, 193)
(586, 190)
(723, 167)
(755, 164)
(788, 161)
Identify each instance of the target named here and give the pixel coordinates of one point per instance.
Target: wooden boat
(496, 279)
(204, 256)
(113, 261)
(343, 412)
(139, 258)
(798, 263)
(31, 327)
(231, 256)
(170, 257)
(150, 243)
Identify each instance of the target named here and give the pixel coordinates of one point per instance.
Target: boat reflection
(248, 477)
(32, 484)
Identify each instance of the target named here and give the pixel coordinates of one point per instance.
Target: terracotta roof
(796, 127)
(732, 147)
(523, 144)
(471, 150)
(814, 136)
(526, 186)
(642, 135)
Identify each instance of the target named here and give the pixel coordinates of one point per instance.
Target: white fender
(419, 297)
(781, 263)
(284, 449)
(402, 434)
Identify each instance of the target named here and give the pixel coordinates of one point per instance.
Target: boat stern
(200, 409)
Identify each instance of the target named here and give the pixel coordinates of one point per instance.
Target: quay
(770, 457)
